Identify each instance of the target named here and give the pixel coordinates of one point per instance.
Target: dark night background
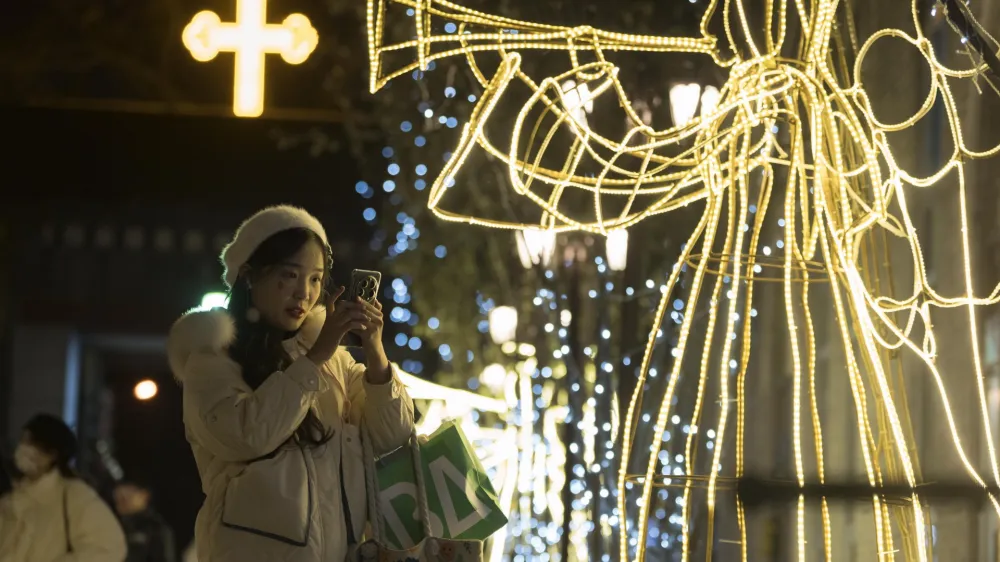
(124, 174)
(127, 173)
(88, 169)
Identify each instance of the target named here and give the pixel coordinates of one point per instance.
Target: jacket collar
(213, 331)
(40, 491)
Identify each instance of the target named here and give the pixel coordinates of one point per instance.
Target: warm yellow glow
(214, 300)
(503, 324)
(526, 350)
(616, 248)
(250, 37)
(419, 389)
(795, 139)
(493, 377)
(709, 100)
(535, 246)
(684, 102)
(578, 100)
(146, 390)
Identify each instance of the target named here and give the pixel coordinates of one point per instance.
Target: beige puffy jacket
(266, 498)
(57, 519)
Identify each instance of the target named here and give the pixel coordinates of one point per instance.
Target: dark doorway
(148, 437)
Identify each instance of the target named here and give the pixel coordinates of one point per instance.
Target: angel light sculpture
(793, 137)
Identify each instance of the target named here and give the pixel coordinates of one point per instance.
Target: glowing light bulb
(684, 103)
(213, 300)
(146, 390)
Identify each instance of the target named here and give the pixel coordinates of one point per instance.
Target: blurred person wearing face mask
(149, 537)
(51, 515)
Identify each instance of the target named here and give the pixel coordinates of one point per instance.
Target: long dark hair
(258, 347)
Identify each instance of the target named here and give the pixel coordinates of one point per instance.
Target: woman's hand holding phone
(371, 337)
(341, 317)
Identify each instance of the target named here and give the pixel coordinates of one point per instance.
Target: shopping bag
(461, 500)
(426, 546)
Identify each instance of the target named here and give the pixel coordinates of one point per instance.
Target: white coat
(266, 498)
(57, 519)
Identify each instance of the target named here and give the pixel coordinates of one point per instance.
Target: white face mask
(28, 459)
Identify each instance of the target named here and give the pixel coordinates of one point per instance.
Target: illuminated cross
(250, 37)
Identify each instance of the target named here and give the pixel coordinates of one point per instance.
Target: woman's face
(285, 293)
(30, 459)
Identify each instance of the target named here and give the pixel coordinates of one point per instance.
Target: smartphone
(364, 284)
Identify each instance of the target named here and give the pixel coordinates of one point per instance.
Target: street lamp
(710, 100)
(616, 247)
(503, 330)
(577, 100)
(684, 100)
(146, 390)
(494, 377)
(213, 300)
(535, 246)
(503, 324)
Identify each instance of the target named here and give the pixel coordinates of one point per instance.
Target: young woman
(273, 405)
(51, 515)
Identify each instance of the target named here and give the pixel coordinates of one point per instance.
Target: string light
(530, 483)
(839, 179)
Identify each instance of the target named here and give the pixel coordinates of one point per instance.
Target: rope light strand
(831, 166)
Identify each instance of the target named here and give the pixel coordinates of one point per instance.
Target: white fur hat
(258, 228)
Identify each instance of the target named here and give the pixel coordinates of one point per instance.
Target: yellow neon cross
(250, 37)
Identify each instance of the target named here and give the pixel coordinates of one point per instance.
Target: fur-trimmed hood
(213, 331)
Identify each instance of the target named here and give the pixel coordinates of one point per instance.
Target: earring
(253, 315)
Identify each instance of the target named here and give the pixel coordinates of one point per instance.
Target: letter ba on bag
(462, 501)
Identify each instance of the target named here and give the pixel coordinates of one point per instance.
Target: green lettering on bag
(462, 501)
